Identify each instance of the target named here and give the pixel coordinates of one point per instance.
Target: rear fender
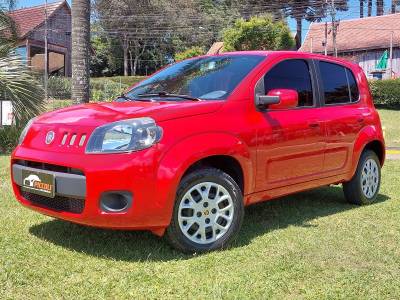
(366, 135)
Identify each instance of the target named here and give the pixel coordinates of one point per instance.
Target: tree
(311, 10)
(394, 5)
(369, 8)
(258, 33)
(80, 50)
(379, 7)
(135, 30)
(152, 31)
(362, 8)
(16, 82)
(8, 4)
(190, 52)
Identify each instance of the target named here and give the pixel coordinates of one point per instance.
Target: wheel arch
(369, 138)
(221, 150)
(225, 163)
(377, 147)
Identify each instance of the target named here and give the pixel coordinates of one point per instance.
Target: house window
(22, 52)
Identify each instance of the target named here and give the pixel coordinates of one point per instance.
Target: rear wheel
(208, 211)
(363, 188)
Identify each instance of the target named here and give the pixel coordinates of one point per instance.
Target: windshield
(205, 78)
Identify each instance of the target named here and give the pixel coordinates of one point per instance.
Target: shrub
(126, 80)
(386, 92)
(9, 136)
(59, 87)
(190, 52)
(104, 89)
(258, 33)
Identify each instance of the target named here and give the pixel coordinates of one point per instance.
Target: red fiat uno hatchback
(185, 150)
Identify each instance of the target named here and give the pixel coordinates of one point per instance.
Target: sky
(353, 12)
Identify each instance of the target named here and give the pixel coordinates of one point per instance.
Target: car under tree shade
(184, 151)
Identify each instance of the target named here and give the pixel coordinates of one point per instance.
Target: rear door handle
(360, 120)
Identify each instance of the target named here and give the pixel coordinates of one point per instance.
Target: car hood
(95, 114)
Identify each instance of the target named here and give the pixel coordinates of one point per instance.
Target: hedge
(102, 88)
(386, 92)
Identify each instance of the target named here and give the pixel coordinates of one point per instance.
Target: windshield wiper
(167, 95)
(126, 98)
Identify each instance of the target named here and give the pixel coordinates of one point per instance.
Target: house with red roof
(362, 41)
(30, 22)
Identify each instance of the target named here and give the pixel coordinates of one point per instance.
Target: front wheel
(363, 188)
(208, 211)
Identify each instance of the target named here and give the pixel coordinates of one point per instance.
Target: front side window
(206, 78)
(291, 74)
(339, 84)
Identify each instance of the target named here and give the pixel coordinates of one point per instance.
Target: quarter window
(355, 94)
(339, 84)
(291, 74)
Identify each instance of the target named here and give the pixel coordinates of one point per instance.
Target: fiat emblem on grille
(50, 137)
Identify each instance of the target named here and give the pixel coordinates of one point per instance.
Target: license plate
(38, 183)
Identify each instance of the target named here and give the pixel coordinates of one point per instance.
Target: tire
(363, 188)
(208, 212)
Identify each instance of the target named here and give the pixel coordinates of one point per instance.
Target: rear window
(339, 84)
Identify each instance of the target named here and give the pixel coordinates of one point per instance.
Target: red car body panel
(280, 152)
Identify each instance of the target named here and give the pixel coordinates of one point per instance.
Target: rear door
(342, 114)
(290, 141)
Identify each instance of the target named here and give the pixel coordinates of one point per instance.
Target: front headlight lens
(24, 132)
(124, 136)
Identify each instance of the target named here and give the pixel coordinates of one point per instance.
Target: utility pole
(46, 54)
(335, 25)
(391, 55)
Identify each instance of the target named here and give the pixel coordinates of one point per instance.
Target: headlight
(25, 131)
(124, 136)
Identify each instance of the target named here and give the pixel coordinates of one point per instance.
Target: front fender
(177, 159)
(366, 135)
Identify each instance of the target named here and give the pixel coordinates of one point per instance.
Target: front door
(290, 141)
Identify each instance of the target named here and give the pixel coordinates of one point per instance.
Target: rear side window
(339, 84)
(291, 74)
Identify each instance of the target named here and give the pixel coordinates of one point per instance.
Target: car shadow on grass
(294, 210)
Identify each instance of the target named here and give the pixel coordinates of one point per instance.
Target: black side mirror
(262, 101)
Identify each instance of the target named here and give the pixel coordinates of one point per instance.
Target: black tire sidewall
(174, 233)
(364, 157)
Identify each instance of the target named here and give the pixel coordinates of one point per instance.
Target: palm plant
(16, 81)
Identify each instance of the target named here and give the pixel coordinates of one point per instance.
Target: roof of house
(356, 34)
(28, 19)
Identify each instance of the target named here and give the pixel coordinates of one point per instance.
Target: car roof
(305, 55)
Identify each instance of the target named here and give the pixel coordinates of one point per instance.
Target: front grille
(48, 167)
(58, 203)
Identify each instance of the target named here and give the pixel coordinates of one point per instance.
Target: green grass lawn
(390, 119)
(311, 245)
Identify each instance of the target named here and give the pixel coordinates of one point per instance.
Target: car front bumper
(97, 174)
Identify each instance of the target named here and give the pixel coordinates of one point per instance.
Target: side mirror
(278, 99)
(288, 98)
(264, 101)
